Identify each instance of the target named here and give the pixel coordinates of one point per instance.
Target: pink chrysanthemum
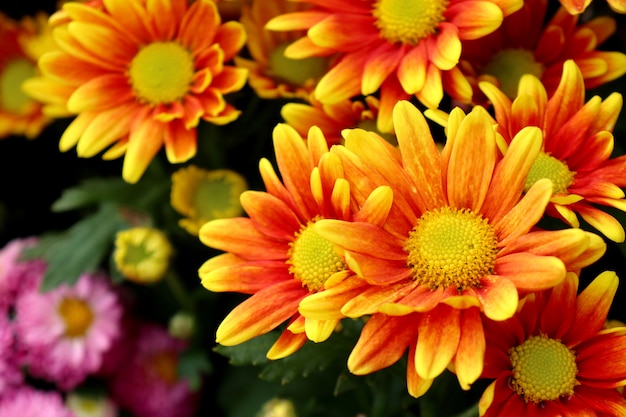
(64, 333)
(147, 384)
(10, 374)
(28, 402)
(16, 274)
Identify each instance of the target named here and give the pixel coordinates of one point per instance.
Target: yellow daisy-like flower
(577, 147)
(332, 119)
(274, 253)
(142, 254)
(526, 44)
(202, 195)
(272, 74)
(555, 358)
(458, 242)
(140, 76)
(395, 46)
(21, 44)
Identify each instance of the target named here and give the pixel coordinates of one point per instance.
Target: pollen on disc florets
(557, 171)
(161, 72)
(408, 22)
(544, 369)
(451, 247)
(313, 259)
(77, 316)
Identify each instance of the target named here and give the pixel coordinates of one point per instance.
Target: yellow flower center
(295, 72)
(77, 316)
(162, 72)
(165, 366)
(544, 369)
(312, 259)
(546, 166)
(12, 98)
(509, 65)
(408, 21)
(451, 247)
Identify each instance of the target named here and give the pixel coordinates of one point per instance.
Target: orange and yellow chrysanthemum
(275, 253)
(555, 358)
(525, 44)
(459, 242)
(577, 146)
(21, 44)
(272, 74)
(579, 6)
(140, 76)
(393, 47)
(332, 119)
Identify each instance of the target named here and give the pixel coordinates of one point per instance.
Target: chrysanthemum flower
(147, 384)
(141, 76)
(459, 241)
(577, 146)
(29, 402)
(389, 46)
(65, 332)
(202, 195)
(20, 114)
(271, 74)
(10, 373)
(332, 119)
(16, 274)
(554, 357)
(525, 44)
(142, 254)
(275, 253)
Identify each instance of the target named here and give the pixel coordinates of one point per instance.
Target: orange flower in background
(525, 44)
(401, 48)
(554, 357)
(579, 6)
(140, 77)
(332, 119)
(275, 253)
(458, 241)
(577, 147)
(21, 44)
(273, 75)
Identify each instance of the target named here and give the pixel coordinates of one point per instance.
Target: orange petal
(474, 18)
(201, 14)
(287, 344)
(530, 272)
(320, 330)
(327, 304)
(261, 313)
(270, 215)
(593, 305)
(106, 127)
(239, 236)
(468, 362)
(381, 63)
(343, 80)
(498, 297)
(231, 36)
(382, 342)
(420, 155)
(412, 69)
(472, 160)
(444, 49)
(439, 333)
(228, 272)
(144, 141)
(180, 143)
(101, 93)
(416, 385)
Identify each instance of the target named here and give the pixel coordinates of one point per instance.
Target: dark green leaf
(193, 364)
(251, 352)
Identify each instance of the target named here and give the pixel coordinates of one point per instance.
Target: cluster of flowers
(81, 341)
(434, 242)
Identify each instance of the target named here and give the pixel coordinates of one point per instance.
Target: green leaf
(251, 352)
(111, 190)
(193, 364)
(79, 249)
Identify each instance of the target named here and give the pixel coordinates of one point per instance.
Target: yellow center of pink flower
(451, 247)
(295, 72)
(165, 366)
(544, 369)
(312, 259)
(162, 72)
(77, 316)
(546, 166)
(509, 65)
(12, 98)
(408, 22)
